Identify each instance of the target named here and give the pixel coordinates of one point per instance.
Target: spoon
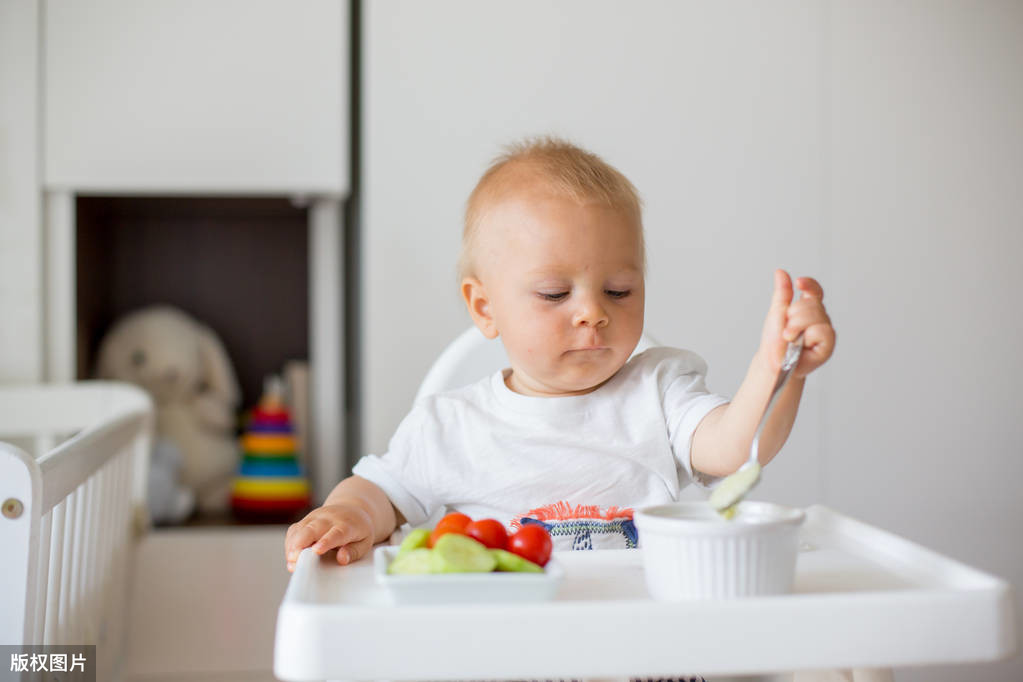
(739, 483)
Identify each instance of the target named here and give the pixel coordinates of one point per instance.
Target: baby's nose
(591, 314)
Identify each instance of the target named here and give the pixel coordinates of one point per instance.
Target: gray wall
(877, 146)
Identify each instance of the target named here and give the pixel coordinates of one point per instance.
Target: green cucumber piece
(506, 561)
(417, 539)
(413, 562)
(454, 553)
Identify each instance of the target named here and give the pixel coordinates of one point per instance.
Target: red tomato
(490, 532)
(532, 542)
(452, 523)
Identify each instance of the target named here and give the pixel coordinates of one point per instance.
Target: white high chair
(861, 594)
(472, 356)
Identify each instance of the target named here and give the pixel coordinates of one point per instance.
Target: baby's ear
(478, 303)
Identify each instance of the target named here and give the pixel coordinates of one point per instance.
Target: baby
(577, 432)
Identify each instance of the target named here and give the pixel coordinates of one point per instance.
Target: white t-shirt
(577, 464)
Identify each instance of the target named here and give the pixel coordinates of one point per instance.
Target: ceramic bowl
(691, 552)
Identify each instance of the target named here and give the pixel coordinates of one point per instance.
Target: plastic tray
(863, 597)
(453, 588)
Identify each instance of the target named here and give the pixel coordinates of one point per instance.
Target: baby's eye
(554, 297)
(617, 294)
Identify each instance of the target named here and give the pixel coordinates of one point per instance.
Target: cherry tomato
(452, 523)
(490, 532)
(532, 542)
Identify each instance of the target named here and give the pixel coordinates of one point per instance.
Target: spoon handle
(788, 363)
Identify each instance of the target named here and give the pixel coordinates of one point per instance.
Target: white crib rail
(68, 513)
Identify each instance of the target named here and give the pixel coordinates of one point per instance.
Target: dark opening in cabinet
(239, 265)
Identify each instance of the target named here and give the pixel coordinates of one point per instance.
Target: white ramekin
(690, 552)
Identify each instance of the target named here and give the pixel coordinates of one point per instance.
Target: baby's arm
(722, 441)
(355, 516)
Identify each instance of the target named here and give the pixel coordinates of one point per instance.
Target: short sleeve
(686, 401)
(403, 472)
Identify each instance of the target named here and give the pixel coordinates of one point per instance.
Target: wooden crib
(73, 464)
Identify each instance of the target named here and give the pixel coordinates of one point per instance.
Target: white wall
(21, 350)
(716, 120)
(876, 146)
(922, 424)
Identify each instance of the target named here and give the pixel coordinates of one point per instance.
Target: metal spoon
(739, 483)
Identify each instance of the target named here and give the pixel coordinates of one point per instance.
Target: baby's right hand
(345, 526)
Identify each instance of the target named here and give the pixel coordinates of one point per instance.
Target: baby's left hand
(786, 320)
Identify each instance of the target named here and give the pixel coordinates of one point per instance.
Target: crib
(73, 465)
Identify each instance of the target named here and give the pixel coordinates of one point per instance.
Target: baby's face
(565, 288)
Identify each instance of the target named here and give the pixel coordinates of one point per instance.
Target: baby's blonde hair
(564, 169)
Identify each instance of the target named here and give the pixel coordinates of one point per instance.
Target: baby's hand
(345, 526)
(786, 320)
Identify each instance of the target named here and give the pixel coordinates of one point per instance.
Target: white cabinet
(21, 353)
(198, 98)
(207, 96)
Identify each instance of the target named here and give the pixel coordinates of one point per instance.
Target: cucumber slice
(414, 540)
(454, 553)
(412, 562)
(506, 561)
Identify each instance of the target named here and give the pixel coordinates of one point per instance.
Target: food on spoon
(452, 523)
(454, 553)
(730, 491)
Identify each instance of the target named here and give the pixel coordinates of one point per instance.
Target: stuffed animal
(184, 367)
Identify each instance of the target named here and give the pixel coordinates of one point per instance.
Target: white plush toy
(184, 367)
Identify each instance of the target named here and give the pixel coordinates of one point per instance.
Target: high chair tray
(863, 597)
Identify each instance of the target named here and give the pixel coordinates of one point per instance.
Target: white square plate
(460, 588)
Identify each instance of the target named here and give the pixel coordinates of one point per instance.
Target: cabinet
(211, 96)
(175, 99)
(21, 352)
(191, 99)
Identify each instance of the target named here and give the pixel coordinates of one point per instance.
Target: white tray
(862, 598)
(451, 588)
